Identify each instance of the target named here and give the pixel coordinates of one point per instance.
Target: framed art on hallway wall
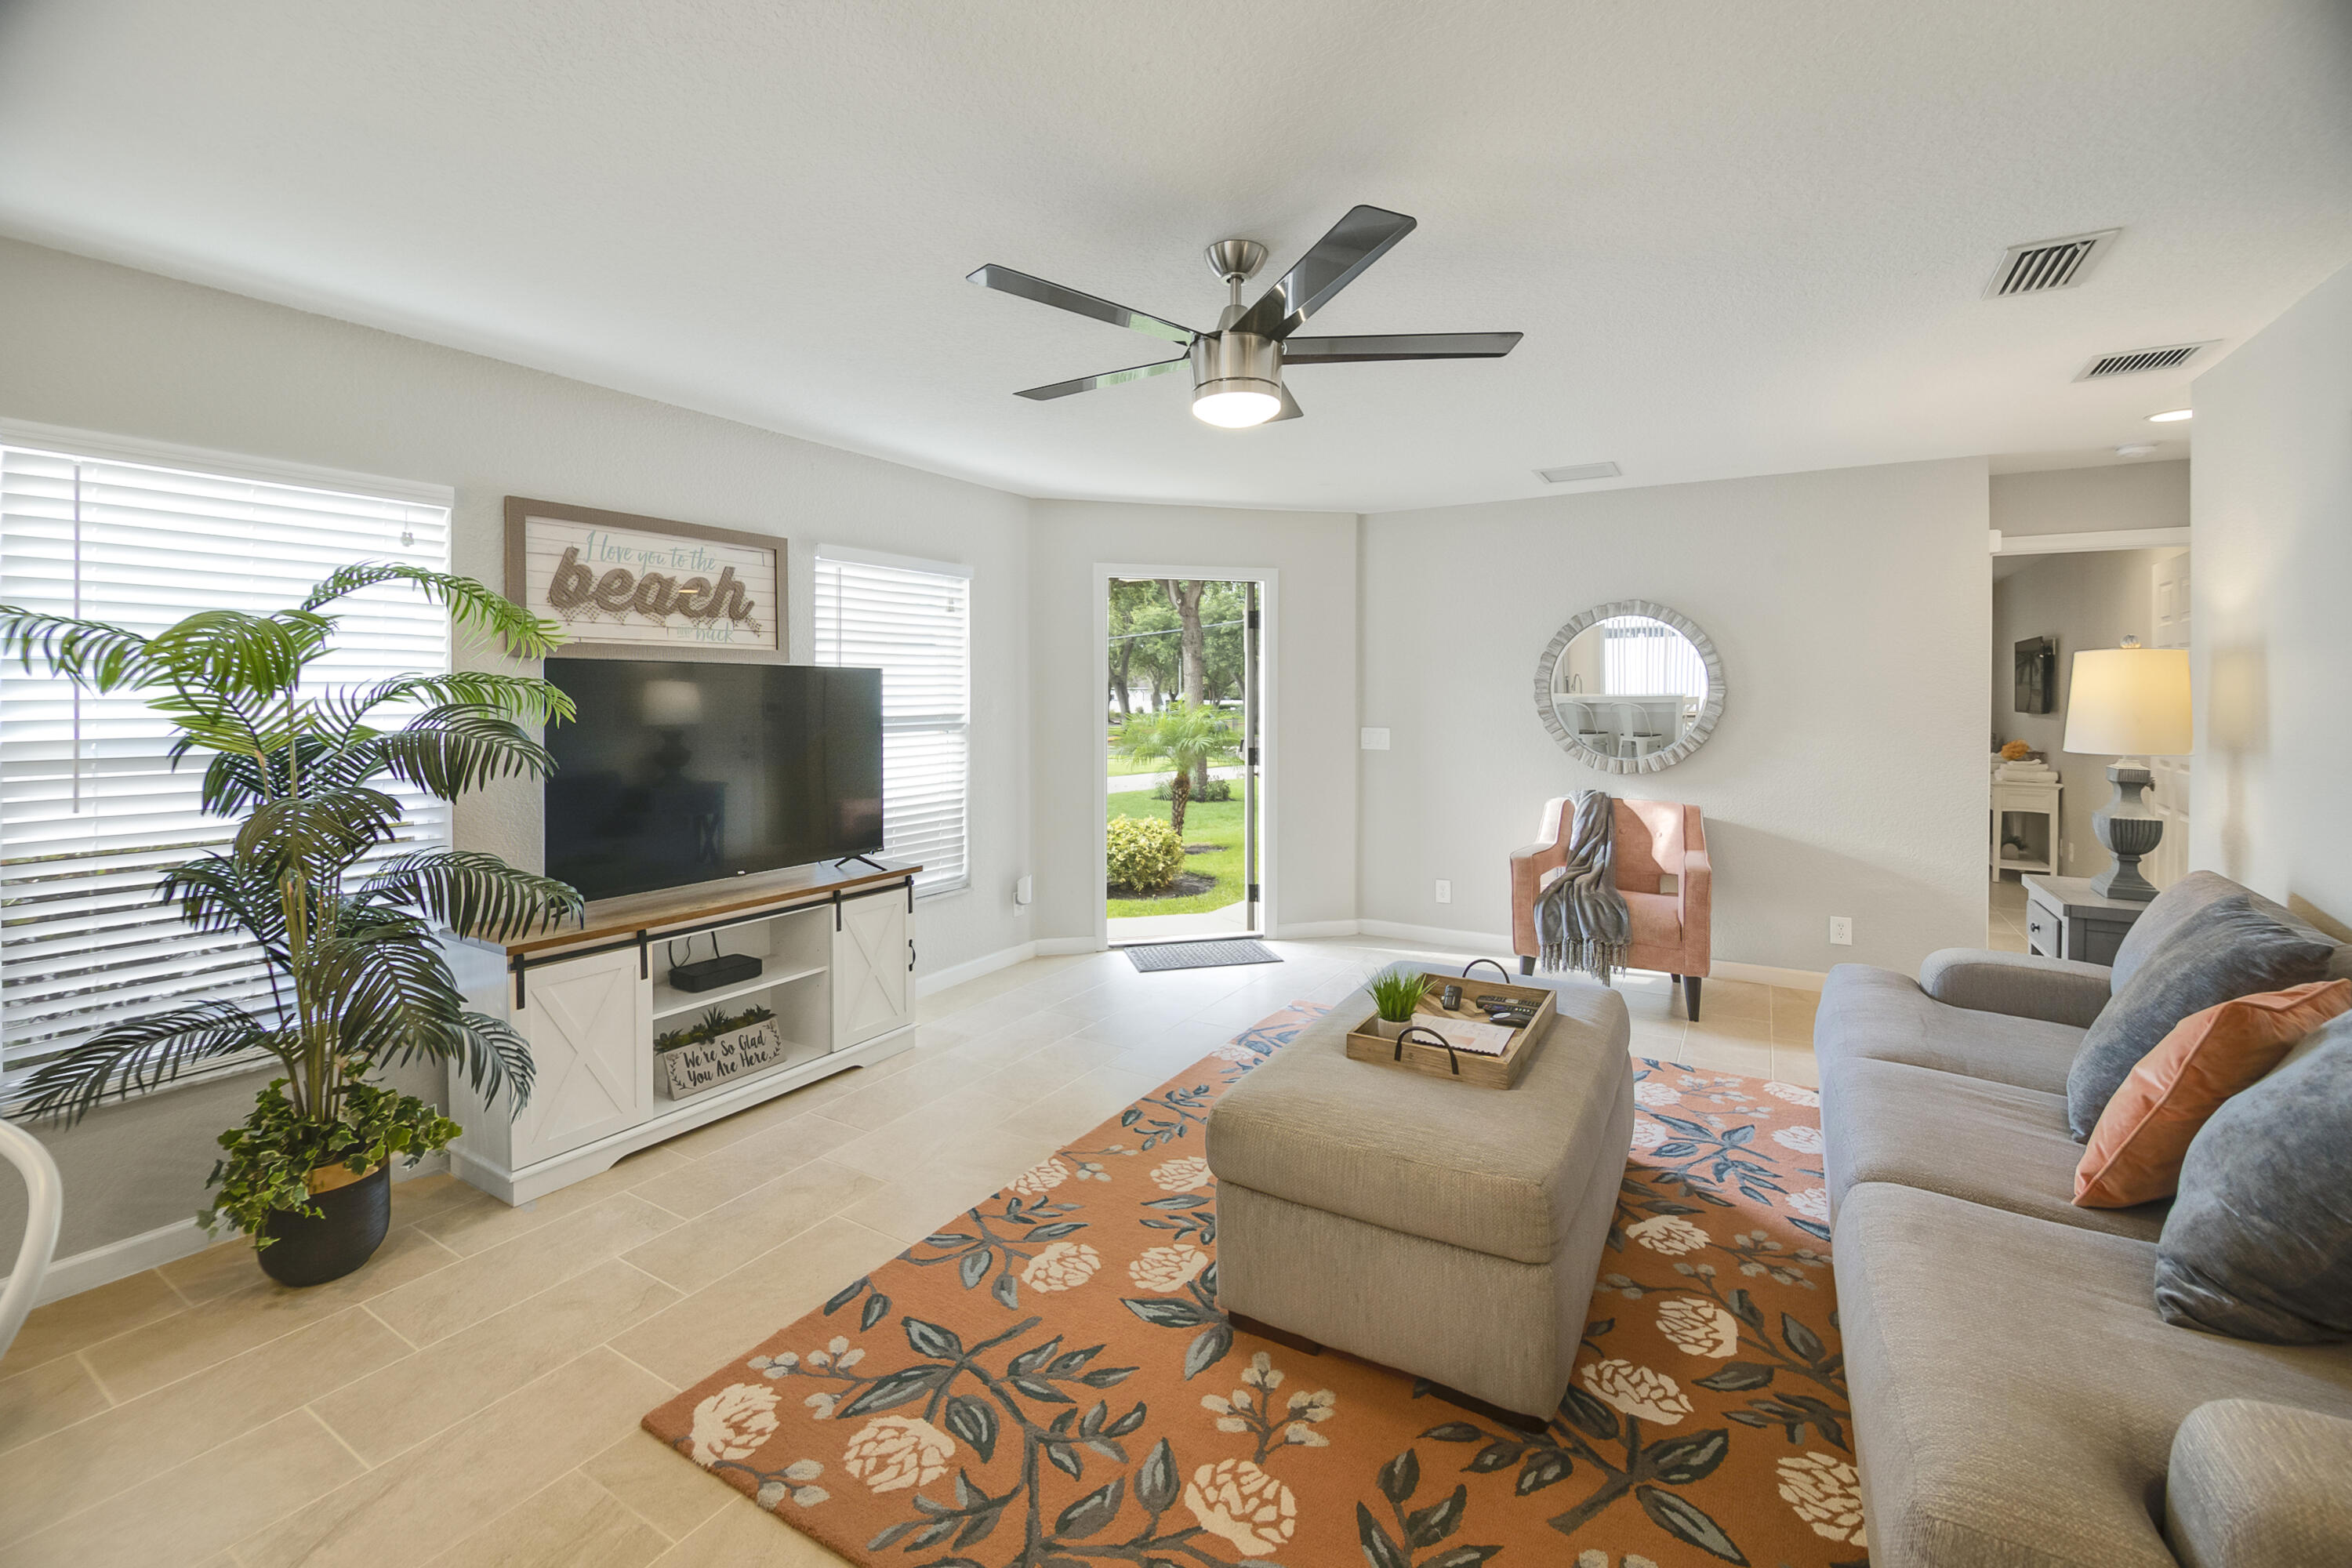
(622, 585)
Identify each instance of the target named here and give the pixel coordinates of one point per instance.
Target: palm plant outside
(1184, 738)
(357, 981)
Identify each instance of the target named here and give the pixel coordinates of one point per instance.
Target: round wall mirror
(1629, 688)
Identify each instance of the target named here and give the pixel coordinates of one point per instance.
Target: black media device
(674, 772)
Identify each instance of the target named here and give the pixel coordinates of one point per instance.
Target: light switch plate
(1375, 739)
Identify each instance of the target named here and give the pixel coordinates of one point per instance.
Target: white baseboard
(1489, 942)
(1056, 946)
(1303, 930)
(974, 968)
(120, 1261)
(1767, 975)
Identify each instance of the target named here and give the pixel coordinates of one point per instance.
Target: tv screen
(674, 772)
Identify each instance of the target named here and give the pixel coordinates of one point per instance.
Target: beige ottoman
(1445, 1230)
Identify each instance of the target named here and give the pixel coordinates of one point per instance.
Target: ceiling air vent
(2048, 264)
(2138, 360)
(1569, 475)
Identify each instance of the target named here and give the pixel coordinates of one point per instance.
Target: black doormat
(1200, 955)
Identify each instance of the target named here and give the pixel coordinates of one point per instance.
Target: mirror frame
(1701, 728)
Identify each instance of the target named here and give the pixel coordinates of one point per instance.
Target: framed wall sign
(627, 586)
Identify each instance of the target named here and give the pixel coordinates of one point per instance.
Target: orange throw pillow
(2143, 1136)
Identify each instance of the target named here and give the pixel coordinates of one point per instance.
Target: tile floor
(2004, 918)
(471, 1396)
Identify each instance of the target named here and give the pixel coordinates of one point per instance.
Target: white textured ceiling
(1740, 238)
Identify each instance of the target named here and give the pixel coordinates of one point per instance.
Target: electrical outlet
(1841, 931)
(1373, 740)
(1445, 891)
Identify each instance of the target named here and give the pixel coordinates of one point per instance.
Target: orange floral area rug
(1047, 1383)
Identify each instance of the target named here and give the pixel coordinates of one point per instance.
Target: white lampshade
(2129, 702)
(672, 704)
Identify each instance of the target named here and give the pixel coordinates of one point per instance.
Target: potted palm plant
(346, 922)
(1185, 737)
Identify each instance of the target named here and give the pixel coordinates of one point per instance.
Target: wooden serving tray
(1461, 1067)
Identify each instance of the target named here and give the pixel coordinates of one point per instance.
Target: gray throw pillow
(2259, 1243)
(2228, 948)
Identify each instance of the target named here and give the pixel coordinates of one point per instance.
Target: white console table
(837, 956)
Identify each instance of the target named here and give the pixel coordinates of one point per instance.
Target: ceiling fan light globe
(1236, 409)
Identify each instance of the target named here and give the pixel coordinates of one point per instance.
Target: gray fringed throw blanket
(1582, 921)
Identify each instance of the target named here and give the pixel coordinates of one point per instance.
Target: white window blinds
(914, 624)
(90, 809)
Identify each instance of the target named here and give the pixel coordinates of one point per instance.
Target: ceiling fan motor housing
(1237, 362)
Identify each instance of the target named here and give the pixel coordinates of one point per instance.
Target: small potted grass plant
(1396, 994)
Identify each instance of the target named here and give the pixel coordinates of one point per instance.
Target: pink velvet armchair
(1655, 839)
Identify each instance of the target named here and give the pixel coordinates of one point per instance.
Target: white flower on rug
(891, 1453)
(1637, 1391)
(1063, 1266)
(1647, 1134)
(1813, 1202)
(1802, 1139)
(1236, 1499)
(1188, 1175)
(1307, 1409)
(1039, 1180)
(1235, 1051)
(1168, 1269)
(794, 1485)
(1653, 1093)
(1668, 1233)
(1699, 1327)
(1794, 1093)
(732, 1423)
(1260, 1372)
(1592, 1558)
(1826, 1493)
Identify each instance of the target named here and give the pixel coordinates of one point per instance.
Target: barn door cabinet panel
(872, 964)
(836, 955)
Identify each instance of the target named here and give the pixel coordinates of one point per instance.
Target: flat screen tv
(675, 772)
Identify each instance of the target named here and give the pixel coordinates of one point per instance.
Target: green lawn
(1211, 822)
(1120, 767)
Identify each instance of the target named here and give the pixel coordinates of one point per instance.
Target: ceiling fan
(1237, 369)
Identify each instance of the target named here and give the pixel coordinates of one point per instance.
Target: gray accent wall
(2271, 504)
(1847, 776)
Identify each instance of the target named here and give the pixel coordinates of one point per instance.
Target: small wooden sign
(689, 1070)
(1417, 1055)
(621, 584)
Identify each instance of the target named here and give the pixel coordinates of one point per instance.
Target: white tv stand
(837, 956)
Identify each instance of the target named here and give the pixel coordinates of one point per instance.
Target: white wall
(104, 348)
(1311, 669)
(2271, 653)
(2088, 600)
(1847, 774)
(2095, 499)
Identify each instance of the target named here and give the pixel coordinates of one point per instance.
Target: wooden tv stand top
(649, 914)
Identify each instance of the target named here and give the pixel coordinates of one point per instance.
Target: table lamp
(2131, 702)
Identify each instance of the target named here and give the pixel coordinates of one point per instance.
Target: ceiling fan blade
(1006, 280)
(1108, 378)
(1335, 260)
(1290, 409)
(1399, 345)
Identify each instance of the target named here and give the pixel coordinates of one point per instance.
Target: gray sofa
(2017, 1399)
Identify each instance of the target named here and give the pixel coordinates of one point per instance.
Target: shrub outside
(1141, 855)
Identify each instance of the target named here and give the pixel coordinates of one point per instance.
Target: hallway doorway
(1181, 757)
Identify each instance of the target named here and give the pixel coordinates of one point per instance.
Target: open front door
(1252, 705)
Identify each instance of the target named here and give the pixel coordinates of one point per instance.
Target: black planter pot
(352, 1225)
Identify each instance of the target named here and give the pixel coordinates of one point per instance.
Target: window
(912, 621)
(1649, 659)
(90, 808)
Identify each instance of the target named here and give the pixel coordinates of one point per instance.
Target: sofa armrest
(2021, 984)
(2259, 1485)
(1529, 865)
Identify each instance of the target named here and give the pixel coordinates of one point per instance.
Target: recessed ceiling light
(2171, 415)
(2135, 448)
